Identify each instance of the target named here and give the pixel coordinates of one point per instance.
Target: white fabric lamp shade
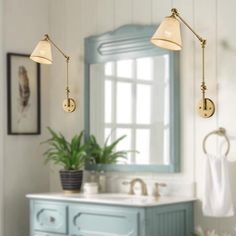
(42, 52)
(168, 34)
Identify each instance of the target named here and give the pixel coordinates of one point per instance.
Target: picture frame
(23, 95)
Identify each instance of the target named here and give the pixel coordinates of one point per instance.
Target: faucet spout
(143, 186)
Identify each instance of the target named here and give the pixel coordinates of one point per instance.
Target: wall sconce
(43, 55)
(168, 36)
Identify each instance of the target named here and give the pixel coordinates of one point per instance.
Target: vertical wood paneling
(123, 12)
(90, 17)
(187, 75)
(205, 25)
(76, 30)
(105, 15)
(58, 33)
(141, 11)
(226, 70)
(19, 33)
(159, 10)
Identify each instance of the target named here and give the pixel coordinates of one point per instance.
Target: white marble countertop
(112, 199)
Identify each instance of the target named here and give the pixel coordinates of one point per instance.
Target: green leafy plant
(105, 154)
(71, 155)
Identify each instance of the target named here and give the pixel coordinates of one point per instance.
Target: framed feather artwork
(23, 95)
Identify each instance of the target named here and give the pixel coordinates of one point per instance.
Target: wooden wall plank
(159, 10)
(187, 85)
(226, 70)
(123, 12)
(141, 11)
(105, 15)
(205, 25)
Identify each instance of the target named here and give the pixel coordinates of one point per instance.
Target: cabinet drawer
(96, 221)
(50, 217)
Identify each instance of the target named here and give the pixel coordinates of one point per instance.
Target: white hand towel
(217, 199)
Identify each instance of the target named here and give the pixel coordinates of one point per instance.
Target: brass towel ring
(221, 132)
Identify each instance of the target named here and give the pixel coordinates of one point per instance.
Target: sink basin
(113, 199)
(122, 198)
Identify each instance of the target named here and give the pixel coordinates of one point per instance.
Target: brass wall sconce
(43, 54)
(168, 36)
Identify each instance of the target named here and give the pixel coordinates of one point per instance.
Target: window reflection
(143, 104)
(125, 69)
(145, 68)
(124, 103)
(136, 103)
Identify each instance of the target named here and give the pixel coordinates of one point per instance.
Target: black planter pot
(71, 180)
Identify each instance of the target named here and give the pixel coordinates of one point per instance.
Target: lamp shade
(42, 52)
(168, 34)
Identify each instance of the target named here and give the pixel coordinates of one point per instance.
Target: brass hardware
(221, 132)
(176, 14)
(143, 186)
(52, 219)
(46, 37)
(69, 104)
(206, 108)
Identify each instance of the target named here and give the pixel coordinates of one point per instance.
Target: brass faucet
(143, 186)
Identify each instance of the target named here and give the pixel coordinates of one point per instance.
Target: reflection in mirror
(132, 89)
(132, 97)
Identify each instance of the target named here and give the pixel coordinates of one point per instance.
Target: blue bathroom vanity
(109, 215)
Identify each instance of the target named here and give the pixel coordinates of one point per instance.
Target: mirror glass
(132, 89)
(132, 97)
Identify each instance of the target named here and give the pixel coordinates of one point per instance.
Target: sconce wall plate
(42, 54)
(209, 109)
(69, 105)
(168, 36)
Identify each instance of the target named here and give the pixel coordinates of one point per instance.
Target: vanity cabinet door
(49, 217)
(94, 220)
(170, 220)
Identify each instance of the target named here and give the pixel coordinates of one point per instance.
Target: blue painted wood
(132, 168)
(50, 217)
(129, 41)
(173, 220)
(133, 41)
(94, 219)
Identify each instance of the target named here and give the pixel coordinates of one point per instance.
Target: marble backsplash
(117, 182)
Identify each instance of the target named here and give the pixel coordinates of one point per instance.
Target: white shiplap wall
(22, 23)
(71, 21)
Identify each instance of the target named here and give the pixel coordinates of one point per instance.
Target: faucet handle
(157, 188)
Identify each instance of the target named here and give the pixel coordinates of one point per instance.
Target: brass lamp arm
(50, 40)
(69, 103)
(206, 107)
(176, 14)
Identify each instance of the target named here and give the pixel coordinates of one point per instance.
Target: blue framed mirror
(132, 88)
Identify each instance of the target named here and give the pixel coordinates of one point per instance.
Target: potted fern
(105, 154)
(70, 155)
